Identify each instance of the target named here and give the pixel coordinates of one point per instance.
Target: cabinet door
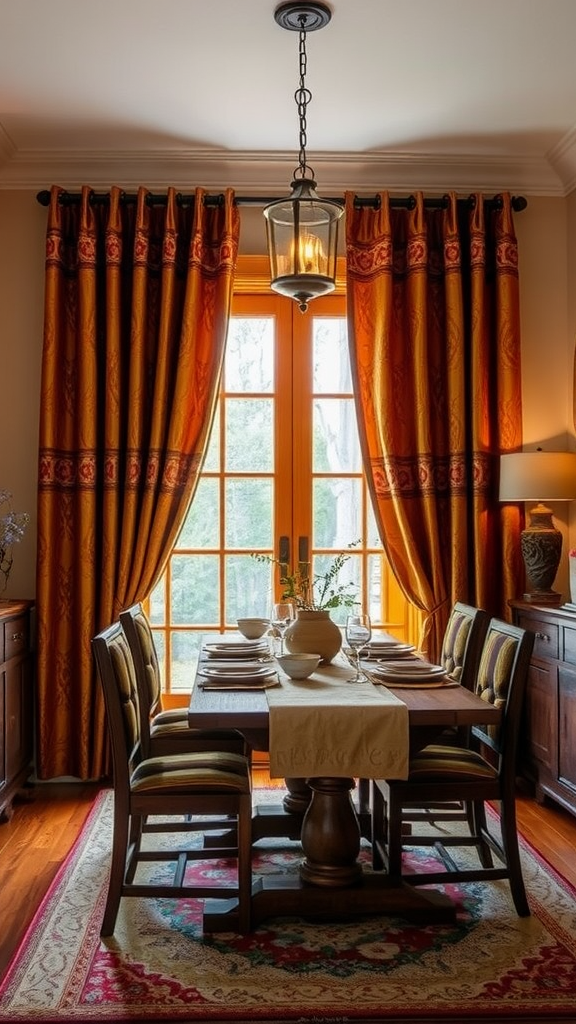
(567, 727)
(2, 731)
(541, 714)
(18, 710)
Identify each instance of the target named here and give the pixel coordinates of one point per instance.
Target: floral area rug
(488, 965)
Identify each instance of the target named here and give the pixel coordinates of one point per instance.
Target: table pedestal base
(330, 835)
(278, 896)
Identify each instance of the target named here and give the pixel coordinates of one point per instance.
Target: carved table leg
(331, 835)
(298, 796)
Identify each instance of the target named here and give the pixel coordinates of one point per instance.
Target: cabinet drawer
(16, 636)
(546, 644)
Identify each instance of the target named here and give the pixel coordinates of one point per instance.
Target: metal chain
(302, 97)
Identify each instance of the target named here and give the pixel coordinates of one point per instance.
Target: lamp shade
(538, 476)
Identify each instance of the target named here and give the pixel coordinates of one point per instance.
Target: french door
(282, 478)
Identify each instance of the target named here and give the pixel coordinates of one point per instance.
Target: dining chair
(462, 643)
(483, 770)
(460, 654)
(165, 731)
(172, 794)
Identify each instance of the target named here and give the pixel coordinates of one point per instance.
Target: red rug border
(60, 873)
(332, 1016)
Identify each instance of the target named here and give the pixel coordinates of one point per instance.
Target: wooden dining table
(332, 884)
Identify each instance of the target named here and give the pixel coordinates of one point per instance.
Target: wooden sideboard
(548, 747)
(16, 700)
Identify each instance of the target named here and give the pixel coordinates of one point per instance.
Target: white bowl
(254, 628)
(299, 666)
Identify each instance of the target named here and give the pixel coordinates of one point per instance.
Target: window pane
(331, 358)
(248, 588)
(249, 362)
(185, 647)
(336, 444)
(248, 513)
(160, 645)
(374, 588)
(249, 435)
(336, 512)
(202, 524)
(157, 612)
(212, 460)
(373, 539)
(195, 589)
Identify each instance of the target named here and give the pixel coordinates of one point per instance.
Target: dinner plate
(386, 641)
(233, 649)
(393, 648)
(389, 657)
(236, 672)
(416, 667)
(229, 685)
(407, 675)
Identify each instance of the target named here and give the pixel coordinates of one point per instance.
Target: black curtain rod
(407, 203)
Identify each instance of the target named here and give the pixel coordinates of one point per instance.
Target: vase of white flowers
(12, 527)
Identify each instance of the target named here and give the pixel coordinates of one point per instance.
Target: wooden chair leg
(244, 863)
(377, 827)
(479, 829)
(512, 855)
(117, 868)
(134, 840)
(394, 836)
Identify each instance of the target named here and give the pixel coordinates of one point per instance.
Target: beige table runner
(328, 726)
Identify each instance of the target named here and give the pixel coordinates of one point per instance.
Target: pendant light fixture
(302, 230)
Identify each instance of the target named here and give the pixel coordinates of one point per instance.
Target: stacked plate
(247, 675)
(388, 649)
(236, 650)
(237, 665)
(414, 673)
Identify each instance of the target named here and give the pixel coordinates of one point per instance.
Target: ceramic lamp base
(541, 546)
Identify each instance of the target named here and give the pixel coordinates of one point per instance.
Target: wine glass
(358, 633)
(282, 616)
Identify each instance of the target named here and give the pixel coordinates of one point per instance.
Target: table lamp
(539, 476)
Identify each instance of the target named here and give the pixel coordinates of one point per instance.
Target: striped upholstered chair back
(141, 639)
(501, 679)
(462, 643)
(122, 705)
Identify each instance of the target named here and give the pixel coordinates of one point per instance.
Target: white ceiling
(430, 94)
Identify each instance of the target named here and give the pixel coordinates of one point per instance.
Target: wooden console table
(548, 749)
(16, 700)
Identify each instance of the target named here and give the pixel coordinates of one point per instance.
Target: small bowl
(299, 666)
(253, 629)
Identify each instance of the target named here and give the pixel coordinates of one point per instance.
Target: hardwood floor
(43, 828)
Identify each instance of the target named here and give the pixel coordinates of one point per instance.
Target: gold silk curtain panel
(434, 329)
(137, 301)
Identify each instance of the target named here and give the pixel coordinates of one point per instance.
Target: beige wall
(22, 227)
(547, 244)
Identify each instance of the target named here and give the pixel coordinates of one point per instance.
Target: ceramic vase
(314, 633)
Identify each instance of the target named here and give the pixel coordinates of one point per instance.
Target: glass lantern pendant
(302, 230)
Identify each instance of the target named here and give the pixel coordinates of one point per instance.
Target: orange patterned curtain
(434, 331)
(136, 313)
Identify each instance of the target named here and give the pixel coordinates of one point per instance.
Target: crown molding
(270, 174)
(7, 147)
(563, 158)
